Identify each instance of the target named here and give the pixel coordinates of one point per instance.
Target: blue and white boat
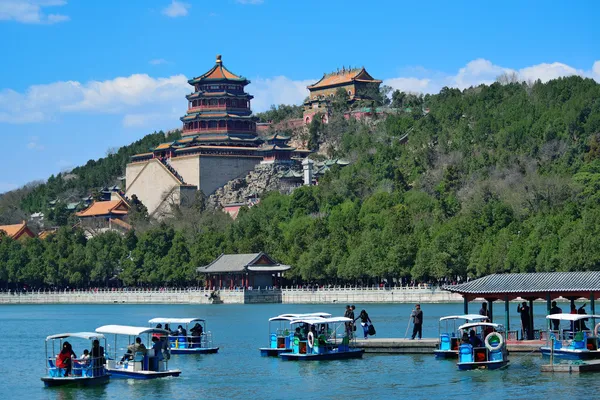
(490, 350)
(571, 343)
(280, 337)
(450, 336)
(88, 372)
(189, 344)
(144, 364)
(317, 339)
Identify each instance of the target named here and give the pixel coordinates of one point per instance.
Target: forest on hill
(492, 179)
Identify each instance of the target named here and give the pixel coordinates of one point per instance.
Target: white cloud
(34, 144)
(176, 9)
(250, 2)
(31, 11)
(278, 90)
(158, 61)
(481, 71)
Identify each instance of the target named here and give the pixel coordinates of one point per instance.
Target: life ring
(596, 328)
(311, 339)
(500, 341)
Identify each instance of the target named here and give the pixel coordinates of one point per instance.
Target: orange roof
(343, 77)
(218, 72)
(104, 208)
(44, 234)
(120, 223)
(17, 230)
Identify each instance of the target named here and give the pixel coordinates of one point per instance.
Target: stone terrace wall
(202, 296)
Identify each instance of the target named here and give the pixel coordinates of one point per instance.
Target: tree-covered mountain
(491, 179)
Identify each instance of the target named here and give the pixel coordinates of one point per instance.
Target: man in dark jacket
(523, 309)
(417, 316)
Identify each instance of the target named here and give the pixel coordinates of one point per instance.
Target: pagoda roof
(274, 147)
(215, 115)
(290, 173)
(218, 73)
(15, 231)
(99, 208)
(344, 77)
(218, 94)
(277, 136)
(255, 262)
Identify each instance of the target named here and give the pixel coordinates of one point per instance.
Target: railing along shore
(296, 294)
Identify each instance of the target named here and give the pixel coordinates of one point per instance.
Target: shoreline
(397, 295)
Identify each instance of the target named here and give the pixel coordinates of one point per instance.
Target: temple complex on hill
(17, 231)
(356, 83)
(219, 144)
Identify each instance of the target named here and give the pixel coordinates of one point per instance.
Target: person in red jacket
(65, 358)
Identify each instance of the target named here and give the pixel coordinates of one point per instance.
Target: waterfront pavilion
(243, 270)
(529, 287)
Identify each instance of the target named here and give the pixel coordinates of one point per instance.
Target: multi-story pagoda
(356, 83)
(219, 106)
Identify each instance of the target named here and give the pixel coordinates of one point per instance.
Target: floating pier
(428, 345)
(573, 368)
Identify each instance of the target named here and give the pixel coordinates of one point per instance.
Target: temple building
(356, 83)
(243, 271)
(102, 216)
(17, 231)
(219, 144)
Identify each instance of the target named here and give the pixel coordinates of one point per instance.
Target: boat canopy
(129, 330)
(475, 324)
(174, 320)
(571, 317)
(314, 321)
(291, 317)
(467, 317)
(81, 335)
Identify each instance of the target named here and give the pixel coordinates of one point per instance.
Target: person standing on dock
(484, 310)
(417, 316)
(523, 309)
(555, 310)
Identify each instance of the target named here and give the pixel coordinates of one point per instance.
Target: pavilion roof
(17, 230)
(531, 284)
(255, 262)
(218, 73)
(215, 115)
(344, 77)
(98, 208)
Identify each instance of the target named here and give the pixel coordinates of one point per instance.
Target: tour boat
(84, 372)
(147, 364)
(280, 337)
(490, 351)
(321, 339)
(449, 340)
(572, 343)
(188, 344)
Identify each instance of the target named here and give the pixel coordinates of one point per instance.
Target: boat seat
(138, 356)
(465, 353)
(273, 341)
(496, 355)
(444, 341)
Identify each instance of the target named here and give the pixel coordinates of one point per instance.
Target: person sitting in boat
(84, 360)
(137, 347)
(64, 358)
(181, 331)
(157, 335)
(474, 339)
(465, 338)
(171, 333)
(196, 333)
(298, 334)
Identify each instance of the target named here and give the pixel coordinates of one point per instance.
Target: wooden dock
(573, 368)
(428, 345)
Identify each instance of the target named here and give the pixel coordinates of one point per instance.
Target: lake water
(238, 371)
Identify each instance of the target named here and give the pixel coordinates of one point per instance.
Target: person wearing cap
(417, 316)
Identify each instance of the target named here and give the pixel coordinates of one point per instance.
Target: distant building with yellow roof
(17, 231)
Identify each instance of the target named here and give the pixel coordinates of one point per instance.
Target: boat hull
(272, 352)
(201, 350)
(568, 354)
(75, 380)
(446, 353)
(482, 365)
(119, 373)
(342, 355)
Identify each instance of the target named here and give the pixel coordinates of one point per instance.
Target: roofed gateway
(530, 286)
(243, 270)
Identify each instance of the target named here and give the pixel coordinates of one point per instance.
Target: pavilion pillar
(506, 315)
(466, 305)
(530, 333)
(548, 307)
(491, 309)
(593, 308)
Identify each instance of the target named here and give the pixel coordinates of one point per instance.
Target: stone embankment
(239, 296)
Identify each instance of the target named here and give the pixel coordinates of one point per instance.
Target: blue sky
(78, 77)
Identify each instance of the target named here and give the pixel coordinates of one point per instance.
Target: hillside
(492, 179)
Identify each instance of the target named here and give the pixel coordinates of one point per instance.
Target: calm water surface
(238, 370)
